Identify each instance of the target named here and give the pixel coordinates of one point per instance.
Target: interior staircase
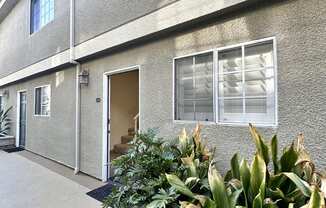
(120, 149)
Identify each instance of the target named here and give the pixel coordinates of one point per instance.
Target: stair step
(114, 155)
(131, 132)
(121, 148)
(126, 139)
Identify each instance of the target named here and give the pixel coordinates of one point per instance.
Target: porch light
(6, 93)
(83, 77)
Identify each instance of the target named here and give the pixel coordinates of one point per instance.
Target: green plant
(141, 172)
(4, 122)
(294, 182)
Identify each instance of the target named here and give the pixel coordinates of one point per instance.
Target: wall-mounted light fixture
(84, 77)
(5, 93)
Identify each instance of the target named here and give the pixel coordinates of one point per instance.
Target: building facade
(223, 63)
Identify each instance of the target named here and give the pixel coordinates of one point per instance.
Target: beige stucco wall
(53, 136)
(300, 32)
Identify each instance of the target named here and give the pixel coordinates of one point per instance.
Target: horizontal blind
(194, 88)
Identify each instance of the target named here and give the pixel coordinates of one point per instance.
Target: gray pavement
(25, 183)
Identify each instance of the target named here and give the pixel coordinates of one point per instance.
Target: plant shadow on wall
(5, 122)
(181, 173)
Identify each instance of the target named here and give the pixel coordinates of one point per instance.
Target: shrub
(4, 122)
(141, 173)
(294, 181)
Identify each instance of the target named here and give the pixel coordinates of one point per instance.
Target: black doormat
(102, 192)
(13, 149)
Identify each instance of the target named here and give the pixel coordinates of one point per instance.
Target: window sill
(45, 116)
(273, 126)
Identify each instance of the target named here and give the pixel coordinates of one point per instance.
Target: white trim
(215, 83)
(18, 116)
(34, 103)
(174, 14)
(41, 66)
(106, 113)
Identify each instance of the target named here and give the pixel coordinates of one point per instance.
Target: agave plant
(4, 122)
(141, 172)
(293, 182)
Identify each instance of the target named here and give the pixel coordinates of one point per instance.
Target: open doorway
(121, 109)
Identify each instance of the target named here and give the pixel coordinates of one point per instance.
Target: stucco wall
(106, 15)
(20, 49)
(54, 136)
(299, 28)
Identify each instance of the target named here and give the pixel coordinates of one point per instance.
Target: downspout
(77, 64)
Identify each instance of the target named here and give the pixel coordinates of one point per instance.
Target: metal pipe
(78, 66)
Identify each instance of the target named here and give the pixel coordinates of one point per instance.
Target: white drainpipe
(72, 60)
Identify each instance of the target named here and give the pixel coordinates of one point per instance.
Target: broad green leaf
(189, 162)
(234, 197)
(301, 184)
(274, 150)
(288, 159)
(258, 174)
(245, 178)
(258, 202)
(157, 204)
(291, 205)
(316, 201)
(218, 190)
(262, 148)
(235, 166)
(175, 182)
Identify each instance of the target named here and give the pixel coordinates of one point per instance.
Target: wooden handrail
(136, 118)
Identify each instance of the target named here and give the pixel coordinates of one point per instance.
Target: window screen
(194, 88)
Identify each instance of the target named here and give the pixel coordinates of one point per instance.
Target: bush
(141, 173)
(293, 182)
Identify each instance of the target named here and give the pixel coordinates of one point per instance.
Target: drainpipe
(78, 66)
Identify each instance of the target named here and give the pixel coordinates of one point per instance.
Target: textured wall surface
(300, 31)
(108, 14)
(20, 49)
(53, 136)
(299, 27)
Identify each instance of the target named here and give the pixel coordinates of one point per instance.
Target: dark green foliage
(4, 122)
(141, 172)
(295, 183)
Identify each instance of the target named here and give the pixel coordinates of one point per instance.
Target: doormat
(102, 192)
(14, 149)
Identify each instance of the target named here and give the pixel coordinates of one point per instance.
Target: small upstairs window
(42, 100)
(42, 12)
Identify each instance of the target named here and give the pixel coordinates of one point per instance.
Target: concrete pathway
(26, 184)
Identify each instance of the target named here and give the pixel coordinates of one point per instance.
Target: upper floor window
(42, 100)
(42, 12)
(239, 88)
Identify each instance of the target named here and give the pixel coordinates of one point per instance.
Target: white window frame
(216, 84)
(41, 115)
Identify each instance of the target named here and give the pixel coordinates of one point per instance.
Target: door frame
(106, 112)
(18, 116)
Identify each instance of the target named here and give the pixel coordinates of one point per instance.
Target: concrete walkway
(27, 184)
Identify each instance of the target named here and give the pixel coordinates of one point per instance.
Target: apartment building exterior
(79, 72)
